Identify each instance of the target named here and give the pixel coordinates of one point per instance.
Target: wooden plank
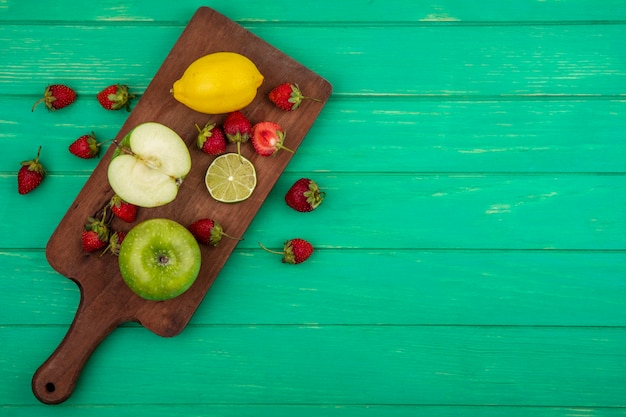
(106, 300)
(540, 288)
(467, 136)
(409, 322)
(309, 410)
(338, 365)
(396, 134)
(282, 11)
(441, 211)
(465, 61)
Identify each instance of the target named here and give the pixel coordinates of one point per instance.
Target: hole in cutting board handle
(55, 379)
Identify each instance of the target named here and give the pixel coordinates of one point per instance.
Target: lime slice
(230, 178)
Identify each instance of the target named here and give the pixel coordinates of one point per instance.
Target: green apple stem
(269, 250)
(149, 163)
(123, 148)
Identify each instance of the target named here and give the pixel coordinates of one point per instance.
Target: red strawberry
(91, 241)
(30, 175)
(95, 234)
(115, 242)
(211, 139)
(208, 232)
(115, 97)
(125, 211)
(86, 146)
(304, 195)
(237, 128)
(56, 96)
(295, 251)
(287, 96)
(268, 138)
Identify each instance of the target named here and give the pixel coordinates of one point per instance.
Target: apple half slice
(149, 165)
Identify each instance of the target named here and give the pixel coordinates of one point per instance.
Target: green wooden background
(471, 250)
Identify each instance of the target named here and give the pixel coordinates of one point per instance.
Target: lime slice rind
(230, 178)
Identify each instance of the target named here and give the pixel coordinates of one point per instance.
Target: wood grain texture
(471, 249)
(444, 61)
(510, 365)
(440, 135)
(106, 301)
(444, 287)
(501, 211)
(324, 12)
(288, 410)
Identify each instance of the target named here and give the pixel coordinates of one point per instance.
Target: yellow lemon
(221, 82)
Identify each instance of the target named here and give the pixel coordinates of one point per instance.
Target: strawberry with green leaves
(237, 128)
(92, 241)
(95, 235)
(295, 251)
(56, 96)
(208, 232)
(86, 146)
(304, 195)
(30, 175)
(268, 138)
(288, 96)
(123, 210)
(115, 97)
(211, 139)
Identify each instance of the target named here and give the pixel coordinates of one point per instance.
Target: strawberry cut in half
(268, 138)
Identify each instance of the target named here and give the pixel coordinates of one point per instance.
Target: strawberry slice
(268, 138)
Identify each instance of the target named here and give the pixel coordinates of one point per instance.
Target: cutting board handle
(55, 379)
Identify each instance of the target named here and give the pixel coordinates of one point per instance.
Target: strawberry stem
(38, 102)
(231, 237)
(104, 142)
(285, 148)
(239, 151)
(269, 250)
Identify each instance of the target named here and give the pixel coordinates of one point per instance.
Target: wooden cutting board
(106, 301)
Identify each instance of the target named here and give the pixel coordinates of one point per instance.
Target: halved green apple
(149, 165)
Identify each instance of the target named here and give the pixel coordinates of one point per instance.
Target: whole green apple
(159, 259)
